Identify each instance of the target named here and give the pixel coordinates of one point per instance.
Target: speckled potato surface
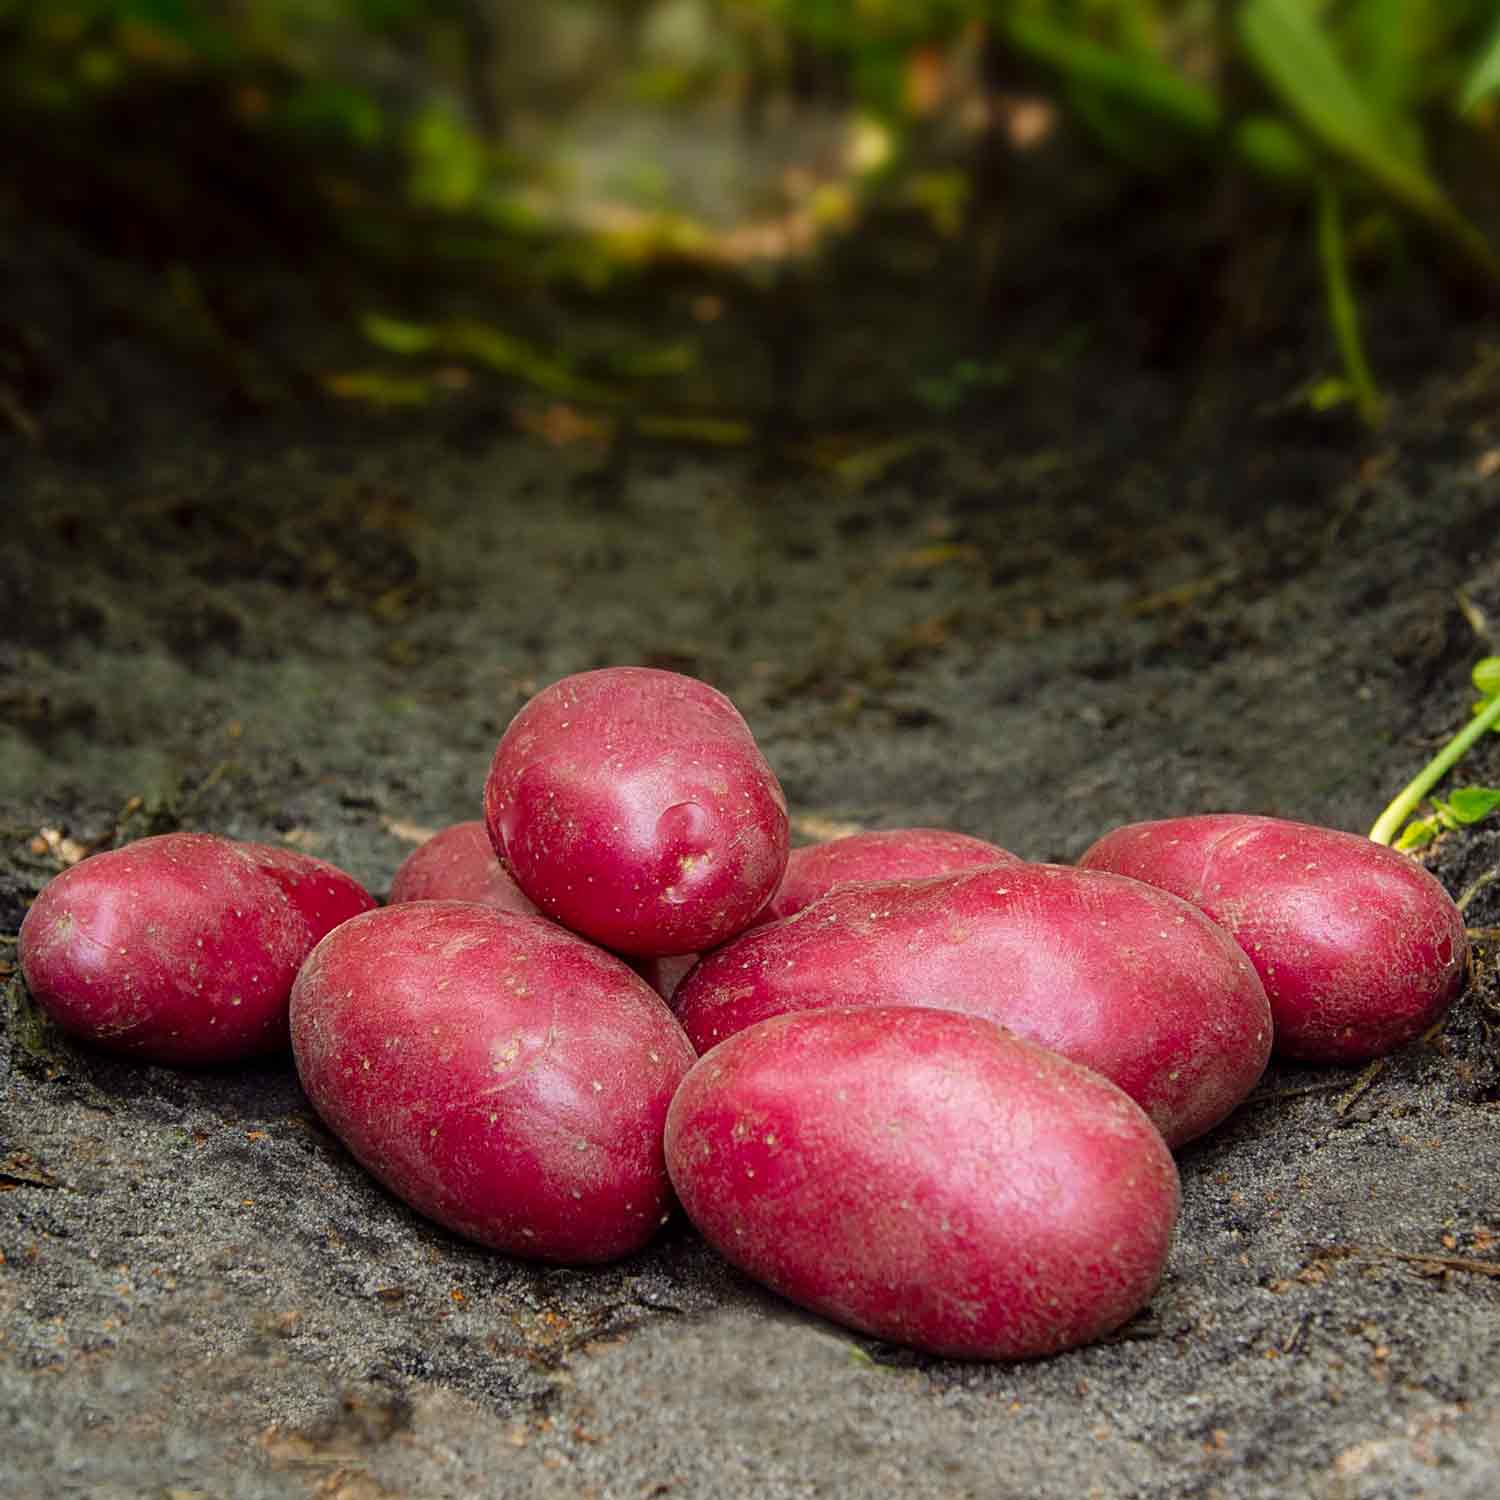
(499, 1074)
(881, 854)
(458, 863)
(633, 806)
(1359, 948)
(1112, 973)
(181, 948)
(926, 1177)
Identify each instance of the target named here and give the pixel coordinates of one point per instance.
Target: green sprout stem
(1406, 802)
(1343, 311)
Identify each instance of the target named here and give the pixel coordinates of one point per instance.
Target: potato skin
(458, 863)
(1115, 975)
(324, 894)
(181, 948)
(926, 1177)
(881, 854)
(497, 1073)
(633, 806)
(1359, 948)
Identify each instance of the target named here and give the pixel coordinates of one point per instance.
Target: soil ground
(1105, 591)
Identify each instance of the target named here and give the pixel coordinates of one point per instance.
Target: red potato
(181, 948)
(1113, 974)
(884, 854)
(926, 1177)
(322, 892)
(634, 807)
(1360, 949)
(459, 864)
(497, 1073)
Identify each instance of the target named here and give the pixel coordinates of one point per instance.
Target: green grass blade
(1343, 311)
(1283, 39)
(1484, 77)
(1142, 81)
(1386, 32)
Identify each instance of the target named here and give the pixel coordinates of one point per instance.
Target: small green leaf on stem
(1468, 804)
(1406, 802)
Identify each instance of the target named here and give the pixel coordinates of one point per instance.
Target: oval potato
(633, 806)
(1359, 948)
(926, 1177)
(181, 948)
(499, 1074)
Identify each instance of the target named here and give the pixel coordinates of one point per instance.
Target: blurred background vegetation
(454, 180)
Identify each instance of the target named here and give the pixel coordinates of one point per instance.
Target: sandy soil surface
(1083, 603)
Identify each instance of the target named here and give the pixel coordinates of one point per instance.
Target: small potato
(883, 854)
(181, 948)
(1360, 949)
(634, 807)
(459, 864)
(1113, 974)
(925, 1177)
(499, 1074)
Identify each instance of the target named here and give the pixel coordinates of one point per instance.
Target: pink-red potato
(1114, 974)
(882, 854)
(1360, 949)
(926, 1177)
(181, 948)
(633, 806)
(497, 1073)
(321, 892)
(459, 863)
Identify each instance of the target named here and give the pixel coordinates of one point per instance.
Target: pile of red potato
(915, 1083)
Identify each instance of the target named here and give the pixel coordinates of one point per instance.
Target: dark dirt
(1105, 591)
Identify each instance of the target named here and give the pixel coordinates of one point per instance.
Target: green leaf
(1468, 804)
(1390, 57)
(1289, 47)
(1416, 835)
(1273, 148)
(508, 355)
(1144, 82)
(396, 336)
(1484, 78)
(1487, 676)
(1285, 41)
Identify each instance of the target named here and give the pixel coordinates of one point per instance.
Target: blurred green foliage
(1338, 101)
